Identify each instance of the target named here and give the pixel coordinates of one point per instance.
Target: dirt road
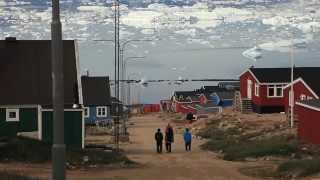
(178, 165)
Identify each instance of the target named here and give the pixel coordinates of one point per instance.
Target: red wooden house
(263, 88)
(182, 101)
(268, 88)
(308, 113)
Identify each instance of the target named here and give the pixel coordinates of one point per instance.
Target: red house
(182, 101)
(268, 88)
(263, 87)
(308, 113)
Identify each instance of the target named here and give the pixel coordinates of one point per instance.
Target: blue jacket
(187, 137)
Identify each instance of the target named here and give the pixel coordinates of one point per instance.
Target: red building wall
(298, 88)
(263, 99)
(181, 107)
(309, 124)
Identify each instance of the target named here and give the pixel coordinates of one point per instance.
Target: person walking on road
(159, 138)
(169, 137)
(187, 139)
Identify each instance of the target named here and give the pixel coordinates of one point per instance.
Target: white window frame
(16, 119)
(100, 108)
(88, 112)
(303, 97)
(275, 87)
(256, 90)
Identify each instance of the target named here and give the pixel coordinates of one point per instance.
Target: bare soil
(178, 165)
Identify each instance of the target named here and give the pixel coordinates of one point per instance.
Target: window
(12, 115)
(275, 91)
(256, 90)
(303, 97)
(102, 111)
(86, 112)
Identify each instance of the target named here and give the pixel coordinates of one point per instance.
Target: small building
(182, 101)
(26, 91)
(308, 113)
(264, 87)
(96, 99)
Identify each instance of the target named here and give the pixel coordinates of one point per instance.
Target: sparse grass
(14, 176)
(237, 146)
(303, 167)
(33, 151)
(273, 146)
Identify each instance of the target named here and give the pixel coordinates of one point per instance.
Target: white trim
(78, 72)
(249, 88)
(88, 112)
(248, 70)
(307, 106)
(16, 118)
(256, 89)
(39, 123)
(105, 110)
(275, 91)
(305, 84)
(294, 82)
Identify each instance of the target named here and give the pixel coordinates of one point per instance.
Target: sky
(185, 39)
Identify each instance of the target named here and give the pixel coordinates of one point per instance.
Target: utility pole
(116, 69)
(58, 148)
(291, 87)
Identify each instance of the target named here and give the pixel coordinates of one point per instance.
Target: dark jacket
(158, 137)
(169, 135)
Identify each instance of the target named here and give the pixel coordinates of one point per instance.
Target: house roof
(210, 89)
(95, 90)
(25, 72)
(283, 75)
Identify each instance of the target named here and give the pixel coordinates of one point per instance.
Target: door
(249, 89)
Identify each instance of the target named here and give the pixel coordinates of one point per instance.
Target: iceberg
(253, 53)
